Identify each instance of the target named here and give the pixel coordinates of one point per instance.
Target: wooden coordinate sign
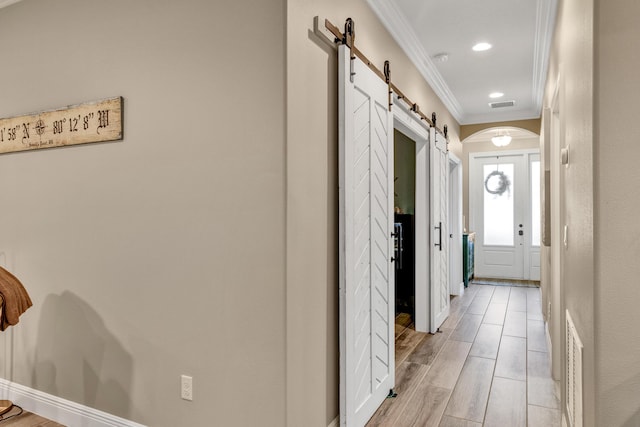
(96, 121)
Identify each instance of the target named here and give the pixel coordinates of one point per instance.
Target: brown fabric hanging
(15, 299)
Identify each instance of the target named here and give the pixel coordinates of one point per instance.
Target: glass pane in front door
(498, 204)
(535, 203)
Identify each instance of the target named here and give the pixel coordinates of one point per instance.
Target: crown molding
(399, 28)
(545, 22)
(395, 22)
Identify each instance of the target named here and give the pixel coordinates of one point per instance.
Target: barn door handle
(439, 228)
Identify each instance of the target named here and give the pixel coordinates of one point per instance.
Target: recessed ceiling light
(496, 95)
(481, 47)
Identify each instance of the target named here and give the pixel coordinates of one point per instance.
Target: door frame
(456, 281)
(405, 121)
(474, 196)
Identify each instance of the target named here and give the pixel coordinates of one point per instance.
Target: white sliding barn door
(439, 160)
(366, 246)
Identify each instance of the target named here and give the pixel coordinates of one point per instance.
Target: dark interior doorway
(404, 230)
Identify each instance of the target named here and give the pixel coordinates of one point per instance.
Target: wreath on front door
(497, 183)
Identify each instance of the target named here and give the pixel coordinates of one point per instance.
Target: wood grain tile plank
(425, 407)
(517, 300)
(515, 324)
(512, 359)
(536, 337)
(454, 318)
(469, 294)
(487, 341)
(457, 310)
(407, 342)
(501, 294)
(534, 310)
(447, 367)
(541, 386)
(495, 313)
(455, 302)
(485, 291)
(542, 392)
(479, 305)
(408, 376)
(507, 404)
(457, 422)
(427, 350)
(469, 397)
(467, 328)
(28, 419)
(533, 293)
(543, 417)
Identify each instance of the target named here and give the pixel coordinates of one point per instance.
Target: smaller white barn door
(440, 304)
(367, 351)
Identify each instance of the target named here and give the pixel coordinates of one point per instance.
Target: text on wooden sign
(96, 121)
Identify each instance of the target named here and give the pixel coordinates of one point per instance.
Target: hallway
(488, 367)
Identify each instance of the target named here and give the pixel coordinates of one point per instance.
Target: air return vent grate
(573, 379)
(502, 104)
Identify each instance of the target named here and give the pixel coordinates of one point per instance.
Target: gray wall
(617, 178)
(162, 254)
(571, 68)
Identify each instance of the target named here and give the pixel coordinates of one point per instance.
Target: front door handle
(520, 232)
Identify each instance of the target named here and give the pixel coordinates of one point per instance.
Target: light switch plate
(564, 156)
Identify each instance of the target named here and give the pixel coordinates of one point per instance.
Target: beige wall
(483, 147)
(312, 132)
(572, 66)
(162, 254)
(532, 125)
(617, 177)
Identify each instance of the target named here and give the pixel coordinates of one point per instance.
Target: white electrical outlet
(186, 389)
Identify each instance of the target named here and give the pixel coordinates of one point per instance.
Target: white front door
(505, 215)
(367, 300)
(440, 305)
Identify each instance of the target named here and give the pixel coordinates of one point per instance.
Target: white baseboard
(58, 409)
(457, 290)
(547, 335)
(335, 422)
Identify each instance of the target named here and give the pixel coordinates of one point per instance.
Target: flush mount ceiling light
(501, 139)
(494, 95)
(480, 47)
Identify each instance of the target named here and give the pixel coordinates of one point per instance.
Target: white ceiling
(519, 30)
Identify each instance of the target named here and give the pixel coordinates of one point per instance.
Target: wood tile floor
(26, 419)
(488, 367)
